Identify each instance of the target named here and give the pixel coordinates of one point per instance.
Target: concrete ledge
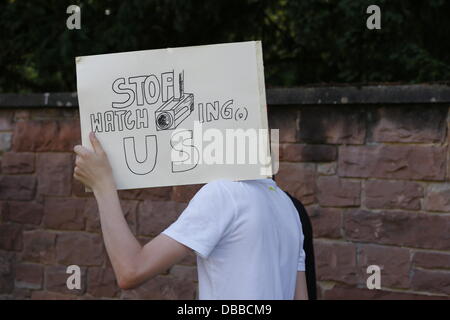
(334, 95)
(381, 94)
(38, 100)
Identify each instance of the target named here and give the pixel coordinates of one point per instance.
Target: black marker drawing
(151, 89)
(109, 121)
(176, 109)
(226, 111)
(151, 153)
(96, 122)
(241, 115)
(138, 81)
(175, 106)
(119, 87)
(211, 111)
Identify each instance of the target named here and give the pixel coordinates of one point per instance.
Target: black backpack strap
(310, 269)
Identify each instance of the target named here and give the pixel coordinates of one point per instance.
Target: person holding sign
(246, 235)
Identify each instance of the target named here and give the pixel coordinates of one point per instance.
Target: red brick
(102, 282)
(383, 194)
(48, 114)
(286, 120)
(23, 212)
(190, 259)
(159, 193)
(21, 294)
(55, 173)
(417, 230)
(432, 260)
(438, 198)
(328, 125)
(188, 273)
(10, 236)
(354, 293)
(46, 135)
(56, 280)
(39, 246)
(298, 179)
(21, 115)
(185, 193)
(448, 145)
(5, 141)
(336, 261)
(326, 222)
(129, 208)
(13, 162)
(17, 187)
(393, 162)
(431, 281)
(29, 276)
(393, 262)
(6, 272)
(163, 287)
(155, 216)
(83, 249)
(46, 295)
(327, 169)
(144, 240)
(78, 190)
(64, 213)
(6, 120)
(409, 124)
(295, 152)
(335, 192)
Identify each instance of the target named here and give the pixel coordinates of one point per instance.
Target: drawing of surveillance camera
(175, 110)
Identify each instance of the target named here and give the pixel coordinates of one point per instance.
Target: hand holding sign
(92, 168)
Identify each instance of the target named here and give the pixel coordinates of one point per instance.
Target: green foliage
(305, 42)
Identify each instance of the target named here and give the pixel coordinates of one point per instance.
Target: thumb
(95, 143)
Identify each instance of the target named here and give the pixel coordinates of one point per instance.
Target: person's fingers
(76, 175)
(79, 175)
(81, 151)
(95, 143)
(78, 171)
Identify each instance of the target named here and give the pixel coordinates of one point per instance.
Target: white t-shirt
(248, 239)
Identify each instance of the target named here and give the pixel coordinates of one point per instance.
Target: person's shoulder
(218, 189)
(219, 185)
(217, 193)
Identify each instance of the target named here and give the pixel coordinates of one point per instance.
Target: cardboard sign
(177, 116)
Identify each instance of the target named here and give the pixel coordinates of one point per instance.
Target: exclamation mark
(178, 89)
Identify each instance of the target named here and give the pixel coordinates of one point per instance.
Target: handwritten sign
(179, 115)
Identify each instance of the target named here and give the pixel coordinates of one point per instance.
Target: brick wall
(375, 180)
(376, 183)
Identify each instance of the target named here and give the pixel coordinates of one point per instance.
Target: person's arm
(301, 292)
(132, 263)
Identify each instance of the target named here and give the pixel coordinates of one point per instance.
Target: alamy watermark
(374, 280)
(225, 147)
(374, 20)
(74, 20)
(73, 282)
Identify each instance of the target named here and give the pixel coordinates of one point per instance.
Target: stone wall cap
(317, 95)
